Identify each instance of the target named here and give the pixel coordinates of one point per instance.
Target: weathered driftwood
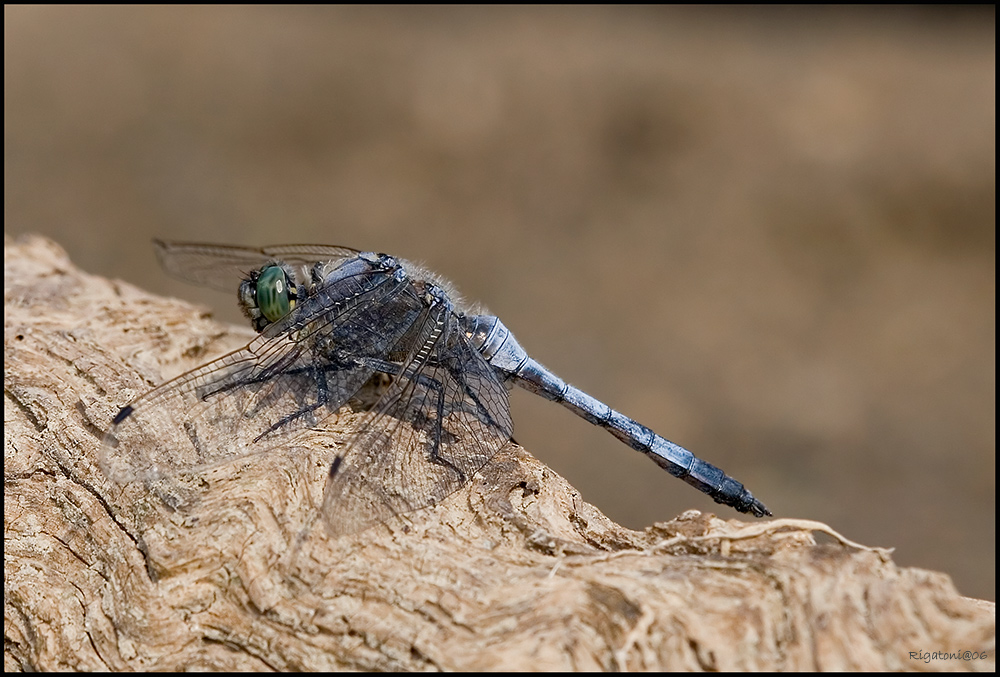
(515, 571)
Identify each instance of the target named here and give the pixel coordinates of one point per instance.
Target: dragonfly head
(268, 294)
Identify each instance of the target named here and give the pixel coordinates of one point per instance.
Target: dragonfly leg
(431, 384)
(322, 399)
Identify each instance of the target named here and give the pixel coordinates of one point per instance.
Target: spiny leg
(432, 385)
(322, 398)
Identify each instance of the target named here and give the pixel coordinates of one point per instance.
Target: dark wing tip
(123, 414)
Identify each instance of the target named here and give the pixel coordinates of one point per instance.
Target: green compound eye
(275, 294)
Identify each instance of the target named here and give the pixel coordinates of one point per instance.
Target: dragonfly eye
(275, 293)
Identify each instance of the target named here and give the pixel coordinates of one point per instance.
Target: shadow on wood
(513, 572)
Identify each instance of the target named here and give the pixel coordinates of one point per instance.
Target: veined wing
(224, 266)
(297, 371)
(444, 416)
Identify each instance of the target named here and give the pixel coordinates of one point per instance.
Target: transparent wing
(433, 429)
(296, 372)
(229, 408)
(224, 266)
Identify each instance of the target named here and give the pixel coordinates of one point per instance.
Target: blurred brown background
(766, 233)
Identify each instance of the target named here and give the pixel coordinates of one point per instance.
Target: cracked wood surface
(515, 571)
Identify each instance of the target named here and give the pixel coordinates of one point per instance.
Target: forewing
(299, 370)
(426, 438)
(224, 266)
(246, 402)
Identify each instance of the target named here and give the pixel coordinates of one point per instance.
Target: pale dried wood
(515, 572)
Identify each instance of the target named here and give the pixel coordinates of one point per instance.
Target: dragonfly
(328, 320)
